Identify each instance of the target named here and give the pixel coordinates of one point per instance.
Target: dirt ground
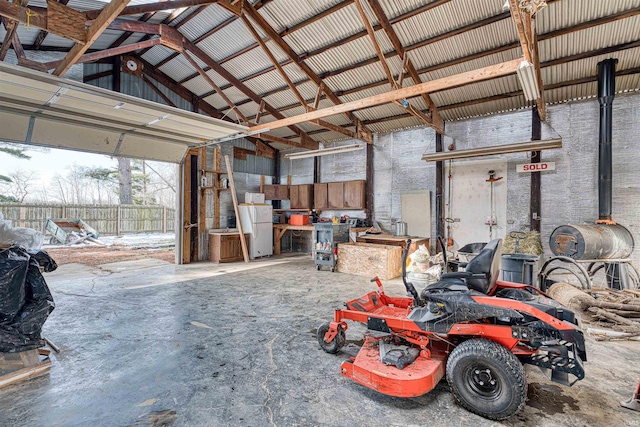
(94, 255)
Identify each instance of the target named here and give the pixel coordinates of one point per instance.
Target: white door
(471, 201)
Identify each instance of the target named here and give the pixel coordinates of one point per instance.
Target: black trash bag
(44, 260)
(25, 301)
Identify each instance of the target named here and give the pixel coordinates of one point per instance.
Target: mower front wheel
(487, 379)
(334, 345)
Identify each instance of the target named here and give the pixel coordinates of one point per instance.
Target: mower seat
(481, 273)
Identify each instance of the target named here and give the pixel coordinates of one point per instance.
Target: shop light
(527, 77)
(324, 151)
(519, 147)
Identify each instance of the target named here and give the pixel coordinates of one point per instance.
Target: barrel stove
(603, 241)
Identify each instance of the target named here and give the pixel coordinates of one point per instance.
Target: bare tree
(18, 184)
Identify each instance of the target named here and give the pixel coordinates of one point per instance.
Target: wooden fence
(107, 219)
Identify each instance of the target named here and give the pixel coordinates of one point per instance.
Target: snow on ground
(143, 240)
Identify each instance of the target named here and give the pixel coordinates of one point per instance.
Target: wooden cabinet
(276, 192)
(320, 200)
(340, 195)
(226, 247)
(335, 195)
(354, 195)
(301, 196)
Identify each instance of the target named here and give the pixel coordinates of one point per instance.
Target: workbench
(280, 229)
(391, 240)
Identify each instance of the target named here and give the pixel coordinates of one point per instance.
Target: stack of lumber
(609, 308)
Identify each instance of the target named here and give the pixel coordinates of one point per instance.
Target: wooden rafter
(426, 119)
(436, 121)
(140, 9)
(361, 131)
(103, 20)
(486, 73)
(128, 34)
(529, 43)
(56, 18)
(43, 34)
(107, 53)
(289, 83)
(10, 28)
(498, 49)
(305, 140)
(209, 80)
(158, 92)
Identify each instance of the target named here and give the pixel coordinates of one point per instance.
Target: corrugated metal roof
(319, 35)
(210, 18)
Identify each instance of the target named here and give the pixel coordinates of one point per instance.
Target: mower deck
(416, 379)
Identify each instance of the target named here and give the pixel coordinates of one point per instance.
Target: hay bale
(531, 245)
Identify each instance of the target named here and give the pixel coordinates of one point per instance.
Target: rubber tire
(336, 344)
(504, 365)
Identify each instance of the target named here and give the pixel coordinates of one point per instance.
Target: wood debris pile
(618, 310)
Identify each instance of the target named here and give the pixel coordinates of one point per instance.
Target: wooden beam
(273, 59)
(10, 27)
(56, 18)
(134, 26)
(124, 36)
(498, 49)
(291, 85)
(43, 34)
(140, 9)
(435, 121)
(158, 92)
(374, 42)
(107, 53)
(103, 20)
(95, 76)
(305, 140)
(209, 80)
(234, 197)
(502, 69)
(528, 42)
(362, 132)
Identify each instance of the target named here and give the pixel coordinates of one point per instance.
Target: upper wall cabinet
(301, 196)
(276, 192)
(354, 195)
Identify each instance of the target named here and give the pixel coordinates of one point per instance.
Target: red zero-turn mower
(470, 325)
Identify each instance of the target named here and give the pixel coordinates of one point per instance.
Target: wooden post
(535, 203)
(439, 192)
(243, 242)
(369, 185)
(216, 193)
(202, 211)
(118, 219)
(164, 219)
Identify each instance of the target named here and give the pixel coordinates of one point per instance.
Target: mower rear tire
(336, 344)
(487, 379)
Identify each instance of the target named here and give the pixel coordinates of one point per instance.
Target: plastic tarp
(25, 299)
(25, 237)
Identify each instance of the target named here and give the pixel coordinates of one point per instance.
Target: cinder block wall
(569, 194)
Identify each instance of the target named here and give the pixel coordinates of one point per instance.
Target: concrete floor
(145, 343)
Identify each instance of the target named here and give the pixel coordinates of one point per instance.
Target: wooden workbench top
(389, 239)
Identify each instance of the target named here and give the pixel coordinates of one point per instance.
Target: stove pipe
(606, 95)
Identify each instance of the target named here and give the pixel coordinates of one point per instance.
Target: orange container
(299, 219)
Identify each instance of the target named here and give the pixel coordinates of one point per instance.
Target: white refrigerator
(257, 221)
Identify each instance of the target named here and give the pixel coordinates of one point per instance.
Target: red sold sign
(536, 167)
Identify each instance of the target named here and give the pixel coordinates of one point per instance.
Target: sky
(51, 161)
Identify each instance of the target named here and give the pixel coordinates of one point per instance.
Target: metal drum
(591, 241)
